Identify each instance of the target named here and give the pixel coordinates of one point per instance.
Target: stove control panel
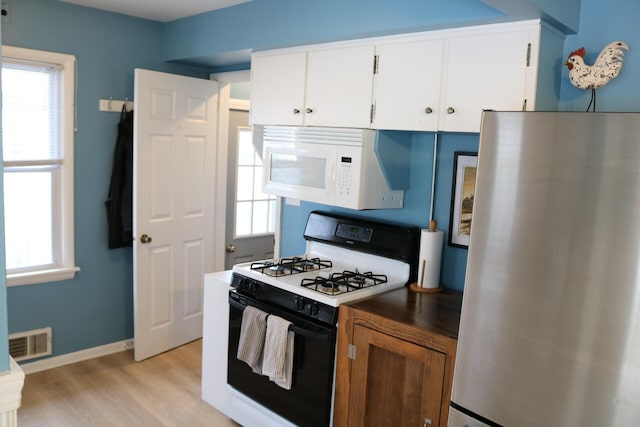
(266, 296)
(354, 232)
(247, 286)
(307, 306)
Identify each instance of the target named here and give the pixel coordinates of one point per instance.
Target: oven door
(309, 400)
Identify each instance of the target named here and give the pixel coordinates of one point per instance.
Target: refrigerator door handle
(460, 416)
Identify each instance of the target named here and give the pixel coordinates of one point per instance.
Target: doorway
(250, 214)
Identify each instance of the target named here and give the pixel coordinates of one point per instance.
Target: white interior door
(175, 121)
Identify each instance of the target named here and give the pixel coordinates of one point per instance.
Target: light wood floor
(116, 391)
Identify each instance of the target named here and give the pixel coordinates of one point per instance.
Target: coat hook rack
(114, 106)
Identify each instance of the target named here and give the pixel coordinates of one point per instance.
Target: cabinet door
(394, 382)
(483, 71)
(277, 89)
(407, 85)
(339, 87)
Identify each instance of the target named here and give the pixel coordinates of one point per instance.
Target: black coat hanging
(120, 200)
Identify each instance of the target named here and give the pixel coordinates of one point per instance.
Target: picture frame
(462, 195)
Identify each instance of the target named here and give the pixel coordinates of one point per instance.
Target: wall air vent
(30, 344)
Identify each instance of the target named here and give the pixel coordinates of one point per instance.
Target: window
(255, 210)
(37, 137)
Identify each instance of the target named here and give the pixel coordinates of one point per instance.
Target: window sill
(42, 276)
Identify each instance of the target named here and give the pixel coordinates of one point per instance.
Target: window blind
(31, 97)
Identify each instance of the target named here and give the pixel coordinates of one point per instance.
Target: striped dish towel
(288, 363)
(252, 333)
(277, 362)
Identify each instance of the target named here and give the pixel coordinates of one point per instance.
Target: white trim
(64, 215)
(239, 104)
(221, 177)
(78, 356)
(278, 233)
(41, 276)
(240, 76)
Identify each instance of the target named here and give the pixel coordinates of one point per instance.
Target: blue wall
(211, 38)
(601, 23)
(619, 95)
(416, 203)
(96, 307)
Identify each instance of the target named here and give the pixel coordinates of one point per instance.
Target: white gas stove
(346, 259)
(330, 274)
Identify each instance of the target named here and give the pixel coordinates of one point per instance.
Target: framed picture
(462, 195)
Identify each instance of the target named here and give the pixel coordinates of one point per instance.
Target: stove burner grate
(288, 266)
(347, 281)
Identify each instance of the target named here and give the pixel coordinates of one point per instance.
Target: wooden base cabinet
(391, 371)
(394, 382)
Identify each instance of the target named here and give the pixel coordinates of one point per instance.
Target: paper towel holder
(417, 288)
(414, 286)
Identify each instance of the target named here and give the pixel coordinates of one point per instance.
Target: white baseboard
(78, 356)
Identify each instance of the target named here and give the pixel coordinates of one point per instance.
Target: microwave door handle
(332, 170)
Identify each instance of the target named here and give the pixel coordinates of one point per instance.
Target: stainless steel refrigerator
(550, 328)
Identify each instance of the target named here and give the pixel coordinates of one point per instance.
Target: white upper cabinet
(277, 88)
(443, 81)
(407, 85)
(484, 71)
(429, 81)
(324, 87)
(339, 87)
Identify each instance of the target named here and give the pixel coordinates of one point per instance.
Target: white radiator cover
(11, 383)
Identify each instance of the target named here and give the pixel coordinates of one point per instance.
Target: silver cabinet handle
(450, 110)
(230, 248)
(144, 239)
(296, 111)
(309, 110)
(427, 422)
(428, 110)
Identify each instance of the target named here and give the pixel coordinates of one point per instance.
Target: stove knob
(254, 287)
(312, 308)
(299, 303)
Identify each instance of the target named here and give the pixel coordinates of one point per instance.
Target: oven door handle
(237, 304)
(308, 328)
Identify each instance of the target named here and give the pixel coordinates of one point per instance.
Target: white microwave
(332, 166)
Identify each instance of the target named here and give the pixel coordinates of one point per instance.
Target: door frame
(225, 103)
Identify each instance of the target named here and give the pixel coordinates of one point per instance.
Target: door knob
(144, 239)
(230, 248)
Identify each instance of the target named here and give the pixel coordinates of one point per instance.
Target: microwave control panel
(347, 176)
(344, 178)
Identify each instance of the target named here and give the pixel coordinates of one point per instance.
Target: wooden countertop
(438, 312)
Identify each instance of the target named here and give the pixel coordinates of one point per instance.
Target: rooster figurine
(606, 67)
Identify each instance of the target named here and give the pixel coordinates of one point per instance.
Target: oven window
(298, 170)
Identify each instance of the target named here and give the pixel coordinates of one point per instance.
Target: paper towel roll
(429, 258)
